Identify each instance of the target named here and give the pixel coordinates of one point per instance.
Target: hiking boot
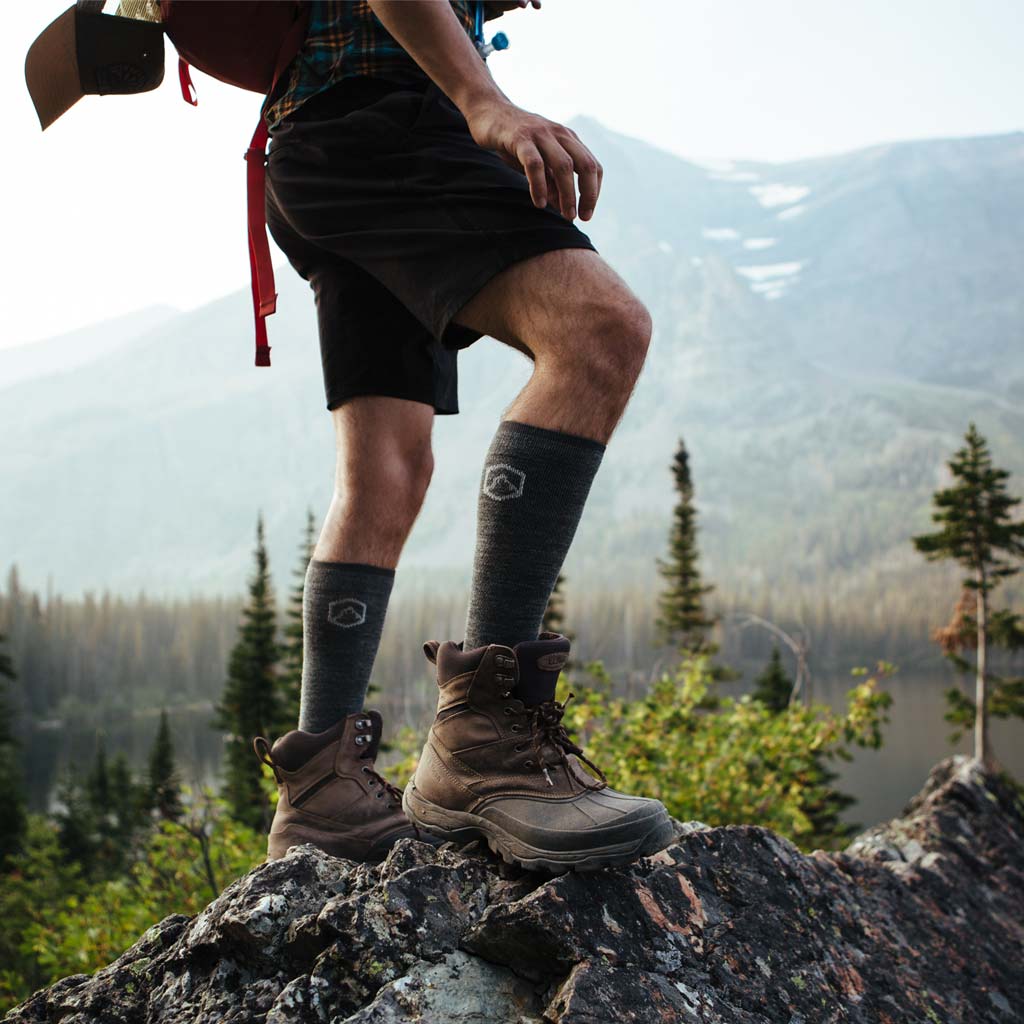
(330, 794)
(499, 764)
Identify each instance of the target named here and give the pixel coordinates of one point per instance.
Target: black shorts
(380, 198)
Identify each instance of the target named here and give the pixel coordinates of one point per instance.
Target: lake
(882, 781)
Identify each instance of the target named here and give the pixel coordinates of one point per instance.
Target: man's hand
(546, 152)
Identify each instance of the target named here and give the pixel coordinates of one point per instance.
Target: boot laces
(547, 730)
(393, 792)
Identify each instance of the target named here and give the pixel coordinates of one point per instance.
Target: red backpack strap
(261, 270)
(264, 298)
(188, 90)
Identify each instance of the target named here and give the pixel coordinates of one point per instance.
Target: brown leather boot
(499, 764)
(330, 794)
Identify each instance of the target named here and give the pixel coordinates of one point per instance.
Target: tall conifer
(13, 817)
(683, 619)
(976, 529)
(773, 687)
(251, 703)
(163, 790)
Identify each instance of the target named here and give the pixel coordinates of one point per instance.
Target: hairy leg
(587, 335)
(586, 331)
(384, 464)
(383, 468)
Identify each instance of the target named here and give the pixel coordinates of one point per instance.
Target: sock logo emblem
(502, 481)
(349, 611)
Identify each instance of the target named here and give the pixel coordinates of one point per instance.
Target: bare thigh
(547, 304)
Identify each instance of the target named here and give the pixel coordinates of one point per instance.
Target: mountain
(824, 332)
(68, 351)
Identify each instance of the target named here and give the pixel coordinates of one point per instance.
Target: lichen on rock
(919, 920)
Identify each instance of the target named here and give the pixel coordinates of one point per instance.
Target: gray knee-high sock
(533, 488)
(343, 608)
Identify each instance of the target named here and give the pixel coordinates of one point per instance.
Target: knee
(620, 336)
(406, 475)
(389, 484)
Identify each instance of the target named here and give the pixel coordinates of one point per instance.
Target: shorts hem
(336, 398)
(524, 251)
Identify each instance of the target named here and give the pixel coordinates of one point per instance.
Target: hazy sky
(130, 201)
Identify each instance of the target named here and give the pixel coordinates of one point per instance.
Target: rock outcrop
(920, 920)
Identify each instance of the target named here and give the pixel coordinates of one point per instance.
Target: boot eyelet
(363, 723)
(372, 782)
(519, 748)
(516, 727)
(380, 794)
(510, 711)
(365, 769)
(529, 764)
(360, 740)
(506, 693)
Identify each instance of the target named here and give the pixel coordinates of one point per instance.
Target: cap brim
(51, 69)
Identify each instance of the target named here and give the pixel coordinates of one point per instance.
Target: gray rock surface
(920, 921)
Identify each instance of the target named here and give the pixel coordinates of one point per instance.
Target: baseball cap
(84, 52)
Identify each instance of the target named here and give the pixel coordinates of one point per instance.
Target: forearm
(430, 32)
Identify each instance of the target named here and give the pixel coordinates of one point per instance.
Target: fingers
(533, 166)
(551, 158)
(560, 166)
(590, 173)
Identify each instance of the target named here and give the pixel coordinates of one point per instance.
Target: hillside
(824, 332)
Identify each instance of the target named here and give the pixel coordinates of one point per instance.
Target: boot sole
(462, 826)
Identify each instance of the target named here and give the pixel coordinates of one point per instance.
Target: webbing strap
(264, 297)
(261, 270)
(188, 90)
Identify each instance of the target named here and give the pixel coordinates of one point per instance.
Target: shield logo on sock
(502, 481)
(349, 611)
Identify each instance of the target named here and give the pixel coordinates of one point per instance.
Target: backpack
(248, 44)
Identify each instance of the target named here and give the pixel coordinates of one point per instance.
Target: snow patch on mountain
(772, 280)
(793, 211)
(720, 234)
(773, 195)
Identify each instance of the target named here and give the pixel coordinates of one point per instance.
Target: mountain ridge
(821, 366)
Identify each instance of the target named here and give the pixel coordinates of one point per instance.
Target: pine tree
(822, 802)
(13, 817)
(292, 648)
(773, 687)
(251, 703)
(163, 790)
(127, 813)
(683, 619)
(978, 531)
(97, 783)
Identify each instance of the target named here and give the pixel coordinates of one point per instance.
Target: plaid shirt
(344, 39)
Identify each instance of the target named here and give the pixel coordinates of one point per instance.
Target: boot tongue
(540, 661)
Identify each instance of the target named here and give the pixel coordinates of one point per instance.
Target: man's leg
(383, 469)
(588, 335)
(495, 763)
